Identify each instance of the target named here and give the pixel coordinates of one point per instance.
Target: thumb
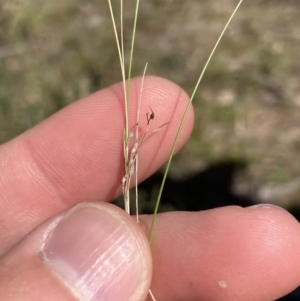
(93, 252)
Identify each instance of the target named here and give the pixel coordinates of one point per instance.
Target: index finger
(77, 154)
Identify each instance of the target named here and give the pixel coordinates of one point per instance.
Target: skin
(226, 253)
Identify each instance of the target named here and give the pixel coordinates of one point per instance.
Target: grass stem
(183, 121)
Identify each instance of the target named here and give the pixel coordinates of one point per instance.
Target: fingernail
(99, 255)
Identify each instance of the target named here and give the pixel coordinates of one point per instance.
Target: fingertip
(100, 253)
(93, 252)
(228, 253)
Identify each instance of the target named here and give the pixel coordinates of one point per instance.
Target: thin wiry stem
(130, 67)
(122, 64)
(137, 139)
(126, 93)
(151, 295)
(120, 52)
(183, 120)
(133, 37)
(122, 33)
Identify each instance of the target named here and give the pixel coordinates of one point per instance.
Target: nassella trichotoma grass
(131, 154)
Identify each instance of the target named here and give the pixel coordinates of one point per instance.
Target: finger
(226, 254)
(77, 154)
(92, 252)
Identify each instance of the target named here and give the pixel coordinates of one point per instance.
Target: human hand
(51, 251)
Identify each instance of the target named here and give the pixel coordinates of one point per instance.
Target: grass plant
(131, 154)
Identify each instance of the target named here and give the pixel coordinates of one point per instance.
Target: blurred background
(247, 130)
(246, 142)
